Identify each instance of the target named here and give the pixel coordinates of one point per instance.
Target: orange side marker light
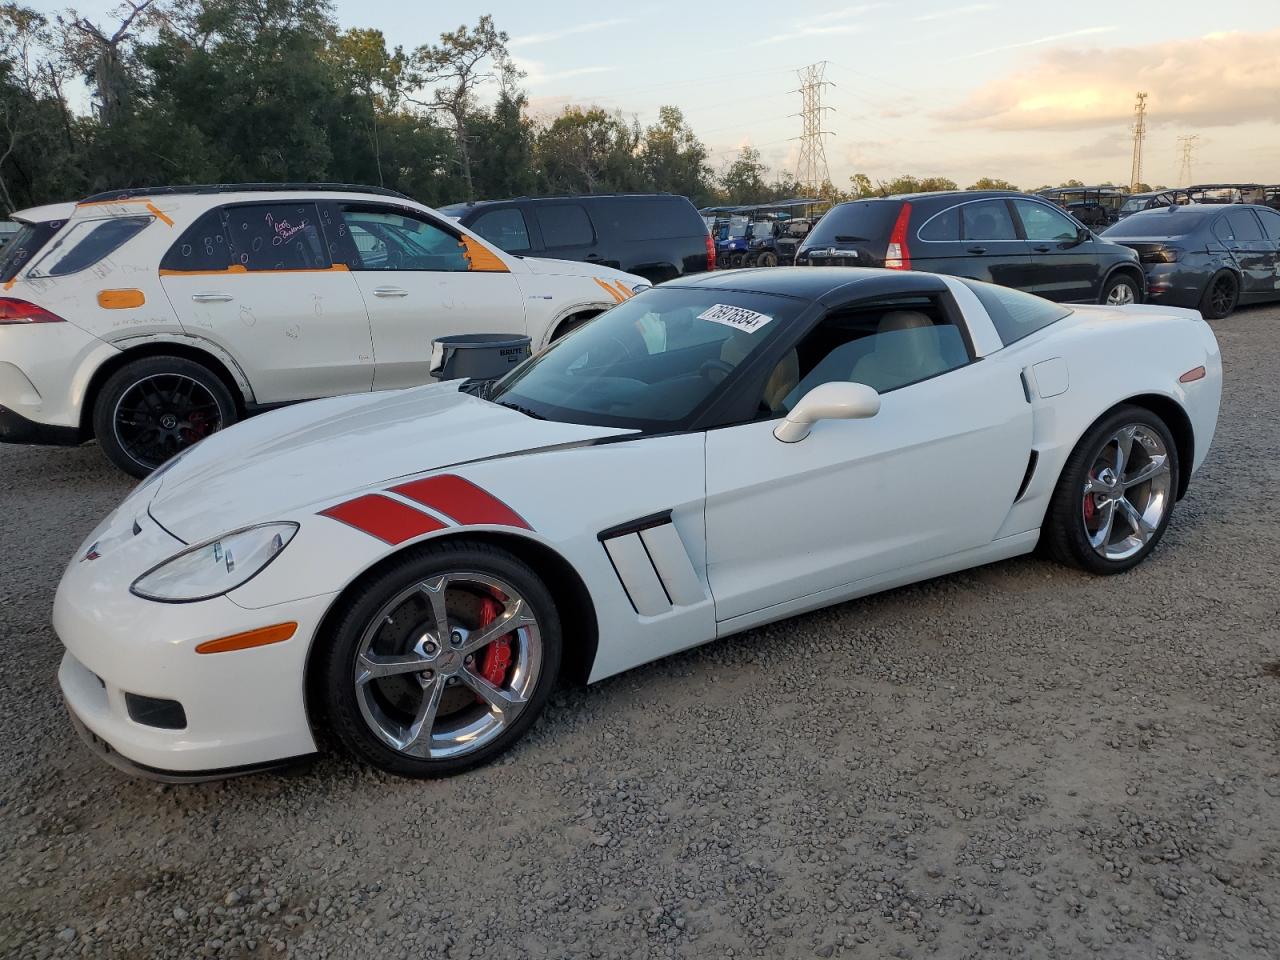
(1191, 376)
(250, 638)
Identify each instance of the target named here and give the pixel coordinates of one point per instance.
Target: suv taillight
(13, 310)
(898, 255)
(711, 253)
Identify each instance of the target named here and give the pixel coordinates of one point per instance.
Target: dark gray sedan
(1212, 257)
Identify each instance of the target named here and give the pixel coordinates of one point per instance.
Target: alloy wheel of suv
(152, 409)
(1121, 291)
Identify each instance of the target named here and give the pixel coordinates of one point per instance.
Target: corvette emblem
(91, 554)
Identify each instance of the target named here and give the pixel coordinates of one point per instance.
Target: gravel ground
(1015, 761)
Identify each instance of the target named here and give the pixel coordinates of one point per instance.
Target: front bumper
(243, 709)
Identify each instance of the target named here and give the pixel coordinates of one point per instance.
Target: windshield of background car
(860, 220)
(1159, 222)
(86, 243)
(651, 362)
(26, 243)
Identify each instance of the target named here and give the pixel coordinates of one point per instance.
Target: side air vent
(1026, 477)
(652, 564)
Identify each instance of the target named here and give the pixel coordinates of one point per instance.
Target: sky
(1032, 92)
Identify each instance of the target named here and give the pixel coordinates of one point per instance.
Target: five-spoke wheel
(1116, 493)
(441, 662)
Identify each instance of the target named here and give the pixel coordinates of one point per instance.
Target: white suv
(151, 318)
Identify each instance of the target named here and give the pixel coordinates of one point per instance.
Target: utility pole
(812, 170)
(1186, 146)
(1139, 135)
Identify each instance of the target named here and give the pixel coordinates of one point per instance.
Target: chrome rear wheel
(1127, 492)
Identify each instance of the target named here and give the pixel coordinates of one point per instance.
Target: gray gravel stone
(1015, 761)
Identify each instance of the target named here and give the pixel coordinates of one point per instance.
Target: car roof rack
(205, 188)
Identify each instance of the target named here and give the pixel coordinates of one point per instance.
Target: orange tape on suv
(121, 299)
(480, 258)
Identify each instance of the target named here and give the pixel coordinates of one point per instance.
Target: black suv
(658, 236)
(1013, 239)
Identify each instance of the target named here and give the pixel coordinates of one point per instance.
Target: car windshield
(650, 363)
(1159, 222)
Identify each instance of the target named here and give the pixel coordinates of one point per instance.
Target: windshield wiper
(519, 409)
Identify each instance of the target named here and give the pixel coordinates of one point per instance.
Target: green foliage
(187, 91)
(991, 183)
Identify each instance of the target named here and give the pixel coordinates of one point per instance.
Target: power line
(1139, 135)
(811, 169)
(1186, 146)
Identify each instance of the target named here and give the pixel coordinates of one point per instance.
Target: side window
(1271, 222)
(275, 236)
(943, 226)
(390, 239)
(1244, 225)
(87, 243)
(25, 244)
(202, 247)
(504, 228)
(886, 345)
(565, 225)
(1222, 230)
(988, 220)
(1013, 313)
(1042, 222)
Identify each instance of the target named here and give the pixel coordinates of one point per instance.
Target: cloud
(808, 33)
(1222, 79)
(1038, 41)
(531, 39)
(536, 73)
(954, 12)
(846, 13)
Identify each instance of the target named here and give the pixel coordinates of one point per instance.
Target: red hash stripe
(462, 500)
(384, 518)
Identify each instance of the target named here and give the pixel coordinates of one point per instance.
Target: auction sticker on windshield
(740, 318)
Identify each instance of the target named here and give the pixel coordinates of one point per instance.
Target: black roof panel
(813, 283)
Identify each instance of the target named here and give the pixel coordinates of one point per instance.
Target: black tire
(1115, 282)
(1064, 534)
(179, 402)
(335, 664)
(767, 259)
(1221, 296)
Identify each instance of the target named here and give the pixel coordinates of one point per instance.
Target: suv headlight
(215, 567)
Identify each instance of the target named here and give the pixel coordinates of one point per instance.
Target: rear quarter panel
(1110, 356)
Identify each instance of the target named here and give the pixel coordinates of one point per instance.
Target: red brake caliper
(496, 657)
(1090, 504)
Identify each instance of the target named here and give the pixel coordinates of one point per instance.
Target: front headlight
(211, 569)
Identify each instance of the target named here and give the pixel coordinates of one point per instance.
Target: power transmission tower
(1139, 135)
(812, 170)
(1186, 146)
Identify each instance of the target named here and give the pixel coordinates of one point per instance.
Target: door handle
(212, 297)
(977, 250)
(390, 292)
(1043, 248)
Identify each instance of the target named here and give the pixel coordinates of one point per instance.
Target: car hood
(543, 267)
(269, 466)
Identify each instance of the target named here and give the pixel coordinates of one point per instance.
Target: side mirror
(837, 400)
(1082, 234)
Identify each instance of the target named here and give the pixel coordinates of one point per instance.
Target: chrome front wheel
(442, 662)
(447, 664)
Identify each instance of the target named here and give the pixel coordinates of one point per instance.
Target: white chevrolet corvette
(413, 571)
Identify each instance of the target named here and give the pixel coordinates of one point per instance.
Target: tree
(673, 159)
(585, 151)
(365, 65)
(462, 61)
(910, 184)
(860, 186)
(743, 181)
(991, 183)
(101, 55)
